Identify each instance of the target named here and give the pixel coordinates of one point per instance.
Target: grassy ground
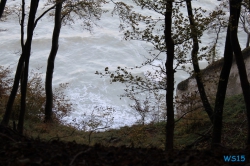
(193, 129)
(187, 132)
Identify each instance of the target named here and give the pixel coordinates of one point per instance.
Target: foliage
(244, 19)
(218, 25)
(100, 119)
(187, 131)
(137, 88)
(183, 85)
(35, 97)
(5, 86)
(152, 135)
(142, 28)
(193, 124)
(151, 109)
(7, 12)
(145, 28)
(87, 11)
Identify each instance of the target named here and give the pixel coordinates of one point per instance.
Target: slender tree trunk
(27, 50)
(221, 91)
(235, 6)
(196, 67)
(13, 93)
(50, 64)
(2, 6)
(248, 37)
(18, 74)
(22, 25)
(23, 49)
(170, 77)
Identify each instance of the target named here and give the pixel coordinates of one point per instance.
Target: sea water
(82, 53)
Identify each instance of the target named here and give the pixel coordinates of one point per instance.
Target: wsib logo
(234, 158)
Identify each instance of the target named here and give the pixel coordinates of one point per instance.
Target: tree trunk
(18, 74)
(196, 67)
(50, 64)
(27, 49)
(235, 13)
(170, 77)
(13, 93)
(2, 6)
(221, 91)
(248, 37)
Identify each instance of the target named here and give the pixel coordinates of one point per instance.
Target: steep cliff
(187, 96)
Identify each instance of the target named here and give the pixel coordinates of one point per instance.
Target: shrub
(35, 100)
(5, 87)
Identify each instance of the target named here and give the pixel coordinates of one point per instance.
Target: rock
(187, 95)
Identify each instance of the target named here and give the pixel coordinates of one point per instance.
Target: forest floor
(57, 144)
(18, 150)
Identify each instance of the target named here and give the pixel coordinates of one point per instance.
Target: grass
(153, 134)
(188, 130)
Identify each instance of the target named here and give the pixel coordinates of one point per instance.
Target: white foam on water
(81, 54)
(87, 100)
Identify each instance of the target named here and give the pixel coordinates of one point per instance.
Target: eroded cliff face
(187, 96)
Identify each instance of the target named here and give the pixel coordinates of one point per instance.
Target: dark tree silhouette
(50, 63)
(170, 76)
(221, 91)
(197, 72)
(19, 71)
(2, 6)
(235, 6)
(26, 53)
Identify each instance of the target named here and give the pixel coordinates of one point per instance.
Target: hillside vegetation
(192, 131)
(59, 144)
